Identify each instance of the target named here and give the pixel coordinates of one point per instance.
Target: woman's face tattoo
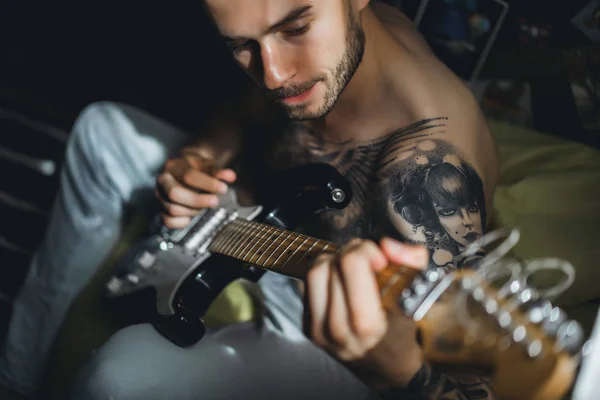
(463, 224)
(438, 198)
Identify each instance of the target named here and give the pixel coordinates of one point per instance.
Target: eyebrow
(290, 17)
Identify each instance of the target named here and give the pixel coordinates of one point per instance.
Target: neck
(364, 99)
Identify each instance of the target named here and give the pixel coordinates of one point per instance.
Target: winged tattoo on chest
(410, 184)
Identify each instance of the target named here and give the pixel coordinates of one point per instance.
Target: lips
(471, 237)
(299, 97)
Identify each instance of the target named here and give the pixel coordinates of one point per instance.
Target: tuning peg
(509, 289)
(519, 334)
(534, 349)
(467, 283)
(491, 306)
(478, 294)
(409, 305)
(420, 289)
(554, 320)
(432, 275)
(538, 310)
(569, 337)
(526, 296)
(504, 318)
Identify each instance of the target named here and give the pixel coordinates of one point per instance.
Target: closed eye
(298, 32)
(446, 212)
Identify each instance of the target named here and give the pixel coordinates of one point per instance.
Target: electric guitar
(465, 318)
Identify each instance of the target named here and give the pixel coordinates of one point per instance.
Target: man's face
(303, 52)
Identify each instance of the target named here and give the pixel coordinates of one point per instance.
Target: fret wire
(296, 236)
(261, 243)
(225, 235)
(304, 255)
(327, 245)
(294, 253)
(268, 247)
(254, 242)
(247, 226)
(278, 246)
(217, 244)
(244, 249)
(234, 226)
(251, 239)
(214, 244)
(231, 231)
(218, 239)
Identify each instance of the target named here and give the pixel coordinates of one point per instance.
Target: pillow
(549, 188)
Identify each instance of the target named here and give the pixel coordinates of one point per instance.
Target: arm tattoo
(429, 384)
(437, 200)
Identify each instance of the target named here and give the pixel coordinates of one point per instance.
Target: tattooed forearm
(429, 384)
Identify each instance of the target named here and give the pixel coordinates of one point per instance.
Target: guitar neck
(430, 298)
(278, 250)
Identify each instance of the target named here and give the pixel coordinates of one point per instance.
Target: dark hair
(448, 186)
(414, 193)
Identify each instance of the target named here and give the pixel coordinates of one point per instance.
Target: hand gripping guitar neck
(465, 317)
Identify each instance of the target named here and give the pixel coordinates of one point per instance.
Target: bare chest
(361, 164)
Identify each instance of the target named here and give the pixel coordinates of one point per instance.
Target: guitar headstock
(490, 320)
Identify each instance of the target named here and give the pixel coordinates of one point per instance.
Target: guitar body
(171, 277)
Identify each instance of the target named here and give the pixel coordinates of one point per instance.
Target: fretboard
(271, 248)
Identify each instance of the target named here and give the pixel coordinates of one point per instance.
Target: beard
(341, 75)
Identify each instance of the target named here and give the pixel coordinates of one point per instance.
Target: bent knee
(103, 380)
(98, 126)
(97, 382)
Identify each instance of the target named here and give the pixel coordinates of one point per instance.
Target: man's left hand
(344, 313)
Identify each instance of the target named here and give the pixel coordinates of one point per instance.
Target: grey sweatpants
(113, 156)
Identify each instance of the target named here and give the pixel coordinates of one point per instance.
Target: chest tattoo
(364, 165)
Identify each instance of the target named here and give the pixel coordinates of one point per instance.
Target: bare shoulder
(429, 89)
(437, 188)
(400, 26)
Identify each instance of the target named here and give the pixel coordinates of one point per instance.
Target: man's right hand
(187, 185)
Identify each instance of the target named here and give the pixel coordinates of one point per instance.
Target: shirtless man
(361, 91)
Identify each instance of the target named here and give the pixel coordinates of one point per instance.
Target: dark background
(57, 57)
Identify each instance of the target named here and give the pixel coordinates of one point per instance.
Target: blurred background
(541, 72)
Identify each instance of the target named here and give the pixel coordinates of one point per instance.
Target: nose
(277, 68)
(467, 221)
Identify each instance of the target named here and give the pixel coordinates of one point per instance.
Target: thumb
(227, 175)
(410, 255)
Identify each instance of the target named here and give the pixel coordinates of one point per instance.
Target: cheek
(450, 222)
(323, 47)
